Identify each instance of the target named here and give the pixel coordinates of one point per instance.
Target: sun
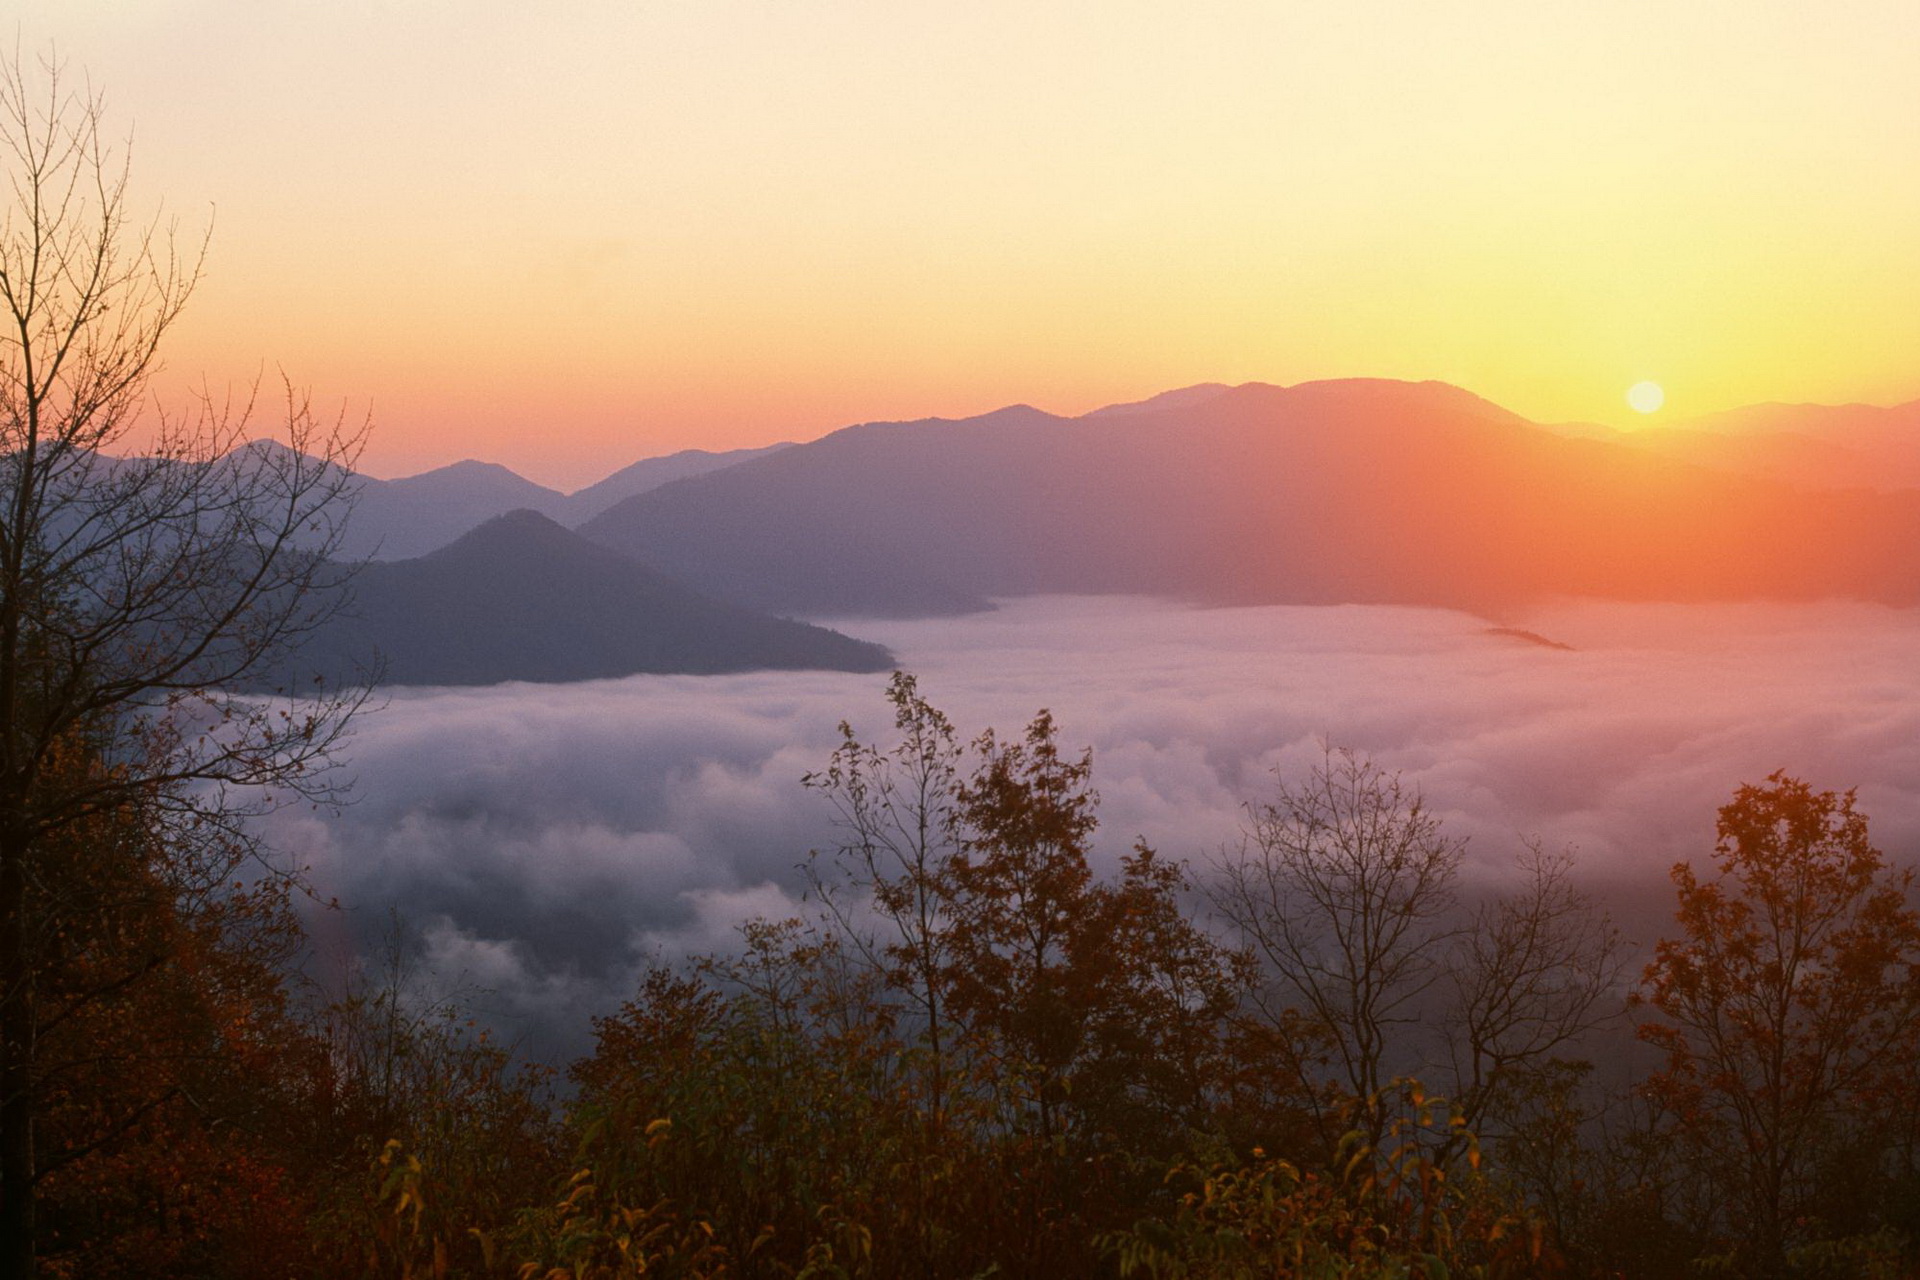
(1646, 397)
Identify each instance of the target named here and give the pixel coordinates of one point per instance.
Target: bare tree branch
(150, 559)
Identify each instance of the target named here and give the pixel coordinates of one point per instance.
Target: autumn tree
(169, 1057)
(146, 566)
(1156, 1066)
(1381, 1214)
(420, 1137)
(975, 1050)
(1788, 1008)
(1091, 997)
(1092, 1007)
(966, 885)
(764, 1096)
(1020, 974)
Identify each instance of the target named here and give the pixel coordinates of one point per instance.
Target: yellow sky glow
(564, 237)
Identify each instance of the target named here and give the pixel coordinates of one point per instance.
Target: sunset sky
(564, 237)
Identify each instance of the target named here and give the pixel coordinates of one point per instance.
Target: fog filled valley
(546, 843)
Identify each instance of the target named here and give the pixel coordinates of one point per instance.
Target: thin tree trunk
(17, 1158)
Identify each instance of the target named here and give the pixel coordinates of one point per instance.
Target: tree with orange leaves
(1788, 1010)
(168, 1059)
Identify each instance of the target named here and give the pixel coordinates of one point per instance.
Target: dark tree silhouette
(147, 563)
(1345, 893)
(888, 886)
(1789, 1007)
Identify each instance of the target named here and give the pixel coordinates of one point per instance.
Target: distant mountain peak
(474, 466)
(1012, 413)
(469, 471)
(1369, 393)
(265, 448)
(651, 473)
(1179, 398)
(523, 598)
(1423, 393)
(520, 518)
(260, 444)
(698, 455)
(522, 528)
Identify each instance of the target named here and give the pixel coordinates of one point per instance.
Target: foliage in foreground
(1376, 1214)
(981, 1058)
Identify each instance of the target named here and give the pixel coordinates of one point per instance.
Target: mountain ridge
(1340, 490)
(522, 598)
(1807, 444)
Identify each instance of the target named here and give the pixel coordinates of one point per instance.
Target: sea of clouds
(544, 843)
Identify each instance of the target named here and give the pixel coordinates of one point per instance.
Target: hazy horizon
(613, 463)
(548, 237)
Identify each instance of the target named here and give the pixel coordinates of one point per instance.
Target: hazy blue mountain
(400, 519)
(651, 473)
(521, 598)
(408, 517)
(1354, 490)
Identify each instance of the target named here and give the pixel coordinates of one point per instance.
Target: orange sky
(565, 240)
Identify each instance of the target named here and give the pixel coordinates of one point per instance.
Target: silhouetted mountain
(1182, 398)
(1358, 490)
(651, 473)
(521, 598)
(408, 517)
(1810, 445)
(400, 519)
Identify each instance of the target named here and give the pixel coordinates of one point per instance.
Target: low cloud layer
(545, 842)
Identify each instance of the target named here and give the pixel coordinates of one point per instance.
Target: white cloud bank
(548, 840)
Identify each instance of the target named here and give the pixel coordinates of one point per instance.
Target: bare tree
(147, 564)
(1343, 891)
(1535, 971)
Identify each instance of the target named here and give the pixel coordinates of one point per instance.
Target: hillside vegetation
(1318, 1055)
